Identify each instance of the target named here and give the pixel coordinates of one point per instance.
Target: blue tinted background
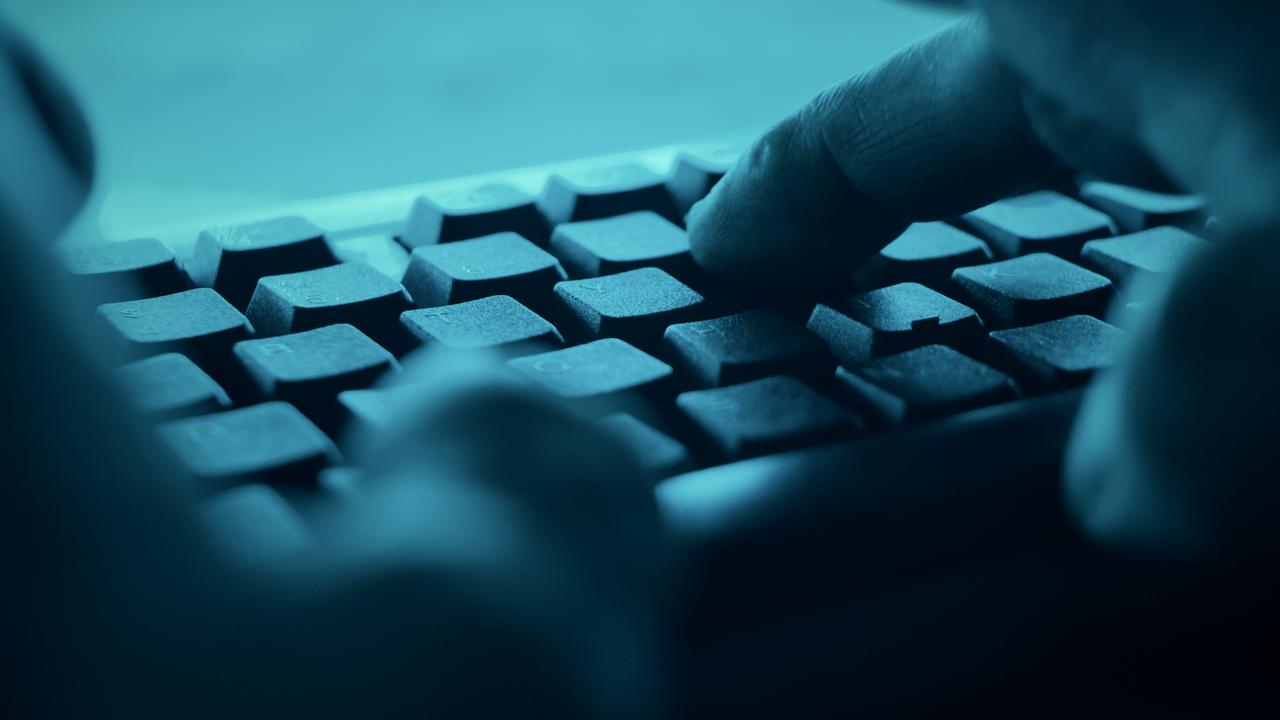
(213, 107)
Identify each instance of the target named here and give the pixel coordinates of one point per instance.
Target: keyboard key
(606, 191)
(124, 270)
(747, 346)
(636, 305)
(1032, 289)
(197, 323)
(695, 173)
(380, 252)
(764, 416)
(310, 368)
(370, 408)
(626, 242)
(1043, 221)
(1159, 251)
(449, 215)
(170, 385)
(893, 319)
(498, 322)
(231, 259)
(503, 264)
(351, 293)
(1059, 354)
(1135, 209)
(600, 369)
(927, 253)
(926, 383)
(254, 522)
(658, 453)
(269, 443)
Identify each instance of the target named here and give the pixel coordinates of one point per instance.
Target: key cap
(606, 191)
(268, 443)
(1158, 251)
(1043, 221)
(926, 383)
(231, 259)
(380, 252)
(503, 264)
(351, 293)
(1061, 353)
(747, 346)
(695, 173)
(1031, 289)
(170, 385)
(927, 253)
(497, 322)
(764, 416)
(197, 323)
(449, 215)
(1135, 209)
(893, 319)
(310, 368)
(371, 408)
(626, 242)
(658, 453)
(636, 305)
(602, 369)
(128, 270)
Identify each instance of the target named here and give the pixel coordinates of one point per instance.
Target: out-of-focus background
(206, 108)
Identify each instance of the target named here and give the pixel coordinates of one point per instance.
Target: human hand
(1157, 94)
(503, 557)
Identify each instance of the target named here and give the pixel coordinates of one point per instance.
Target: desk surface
(212, 108)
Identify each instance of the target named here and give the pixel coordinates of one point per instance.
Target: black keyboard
(918, 407)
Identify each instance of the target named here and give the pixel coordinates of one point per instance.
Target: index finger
(935, 130)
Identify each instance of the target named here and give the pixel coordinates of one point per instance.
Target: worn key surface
(600, 369)
(351, 293)
(764, 416)
(170, 385)
(124, 270)
(1044, 221)
(746, 346)
(310, 368)
(198, 323)
(1158, 251)
(659, 453)
(893, 319)
(1059, 354)
(496, 322)
(462, 214)
(1031, 289)
(927, 253)
(617, 244)
(232, 259)
(602, 192)
(636, 305)
(502, 264)
(271, 443)
(1135, 209)
(925, 383)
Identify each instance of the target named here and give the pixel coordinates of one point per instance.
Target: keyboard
(911, 422)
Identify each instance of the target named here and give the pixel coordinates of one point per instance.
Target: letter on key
(232, 259)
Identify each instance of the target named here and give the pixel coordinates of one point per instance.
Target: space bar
(813, 528)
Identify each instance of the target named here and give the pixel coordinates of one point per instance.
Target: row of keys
(273, 442)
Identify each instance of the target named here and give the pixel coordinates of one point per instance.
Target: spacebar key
(782, 533)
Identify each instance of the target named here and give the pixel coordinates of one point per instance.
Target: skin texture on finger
(1190, 81)
(934, 131)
